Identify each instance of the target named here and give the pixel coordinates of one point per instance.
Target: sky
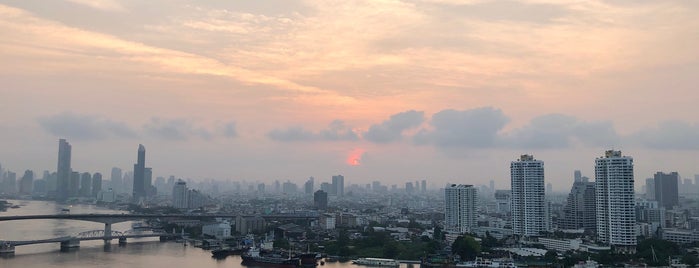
(450, 91)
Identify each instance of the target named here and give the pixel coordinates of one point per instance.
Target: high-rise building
(460, 208)
(650, 189)
(308, 186)
(614, 182)
(424, 185)
(148, 182)
(666, 191)
(26, 183)
(409, 188)
(139, 173)
(96, 184)
(85, 184)
(179, 195)
(63, 170)
(339, 185)
(116, 180)
(528, 197)
(320, 199)
(74, 184)
(579, 210)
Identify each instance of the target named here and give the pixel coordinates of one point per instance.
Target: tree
(466, 247)
(437, 233)
(281, 243)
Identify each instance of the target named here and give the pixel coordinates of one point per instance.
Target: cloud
(84, 127)
(337, 131)
(559, 131)
(104, 5)
(475, 128)
(175, 129)
(673, 135)
(392, 129)
(230, 130)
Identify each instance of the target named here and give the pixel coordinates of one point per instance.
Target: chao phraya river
(146, 252)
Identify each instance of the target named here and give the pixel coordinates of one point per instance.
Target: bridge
(108, 219)
(8, 247)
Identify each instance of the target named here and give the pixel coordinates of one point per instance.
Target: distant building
(74, 185)
(96, 184)
(338, 185)
(249, 224)
(308, 186)
(86, 184)
(327, 221)
(579, 210)
(26, 183)
(460, 208)
(64, 172)
(666, 191)
(503, 200)
(220, 230)
(116, 180)
(320, 200)
(529, 217)
(179, 195)
(614, 182)
(139, 173)
(650, 189)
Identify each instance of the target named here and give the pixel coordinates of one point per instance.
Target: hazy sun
(355, 157)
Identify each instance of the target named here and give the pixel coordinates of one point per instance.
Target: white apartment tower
(528, 202)
(616, 221)
(180, 195)
(460, 208)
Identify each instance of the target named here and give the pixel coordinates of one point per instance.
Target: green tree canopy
(466, 247)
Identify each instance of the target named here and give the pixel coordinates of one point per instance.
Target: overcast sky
(446, 90)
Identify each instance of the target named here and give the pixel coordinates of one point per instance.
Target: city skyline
(394, 91)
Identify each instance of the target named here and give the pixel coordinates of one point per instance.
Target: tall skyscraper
(339, 185)
(528, 197)
(579, 210)
(63, 170)
(96, 184)
(74, 184)
(86, 184)
(460, 208)
(666, 191)
(116, 180)
(616, 220)
(139, 173)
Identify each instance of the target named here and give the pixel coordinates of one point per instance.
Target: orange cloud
(355, 157)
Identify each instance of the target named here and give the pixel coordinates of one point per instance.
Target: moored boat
(376, 262)
(254, 257)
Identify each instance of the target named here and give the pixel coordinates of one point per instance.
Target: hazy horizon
(396, 91)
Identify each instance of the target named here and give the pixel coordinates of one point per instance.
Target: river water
(144, 252)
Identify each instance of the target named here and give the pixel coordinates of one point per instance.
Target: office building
(579, 210)
(460, 208)
(63, 170)
(503, 201)
(666, 191)
(96, 184)
(308, 186)
(116, 180)
(320, 200)
(528, 197)
(139, 173)
(179, 195)
(85, 184)
(614, 190)
(26, 183)
(338, 183)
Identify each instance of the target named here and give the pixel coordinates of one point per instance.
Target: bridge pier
(71, 243)
(6, 248)
(107, 233)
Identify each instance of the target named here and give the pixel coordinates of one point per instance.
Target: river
(145, 252)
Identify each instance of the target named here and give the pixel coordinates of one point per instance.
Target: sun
(355, 157)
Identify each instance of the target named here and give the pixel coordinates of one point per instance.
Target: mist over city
(451, 133)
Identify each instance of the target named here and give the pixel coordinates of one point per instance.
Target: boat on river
(376, 262)
(255, 257)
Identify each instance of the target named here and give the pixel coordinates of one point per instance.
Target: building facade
(63, 170)
(460, 208)
(528, 202)
(614, 189)
(579, 210)
(666, 191)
